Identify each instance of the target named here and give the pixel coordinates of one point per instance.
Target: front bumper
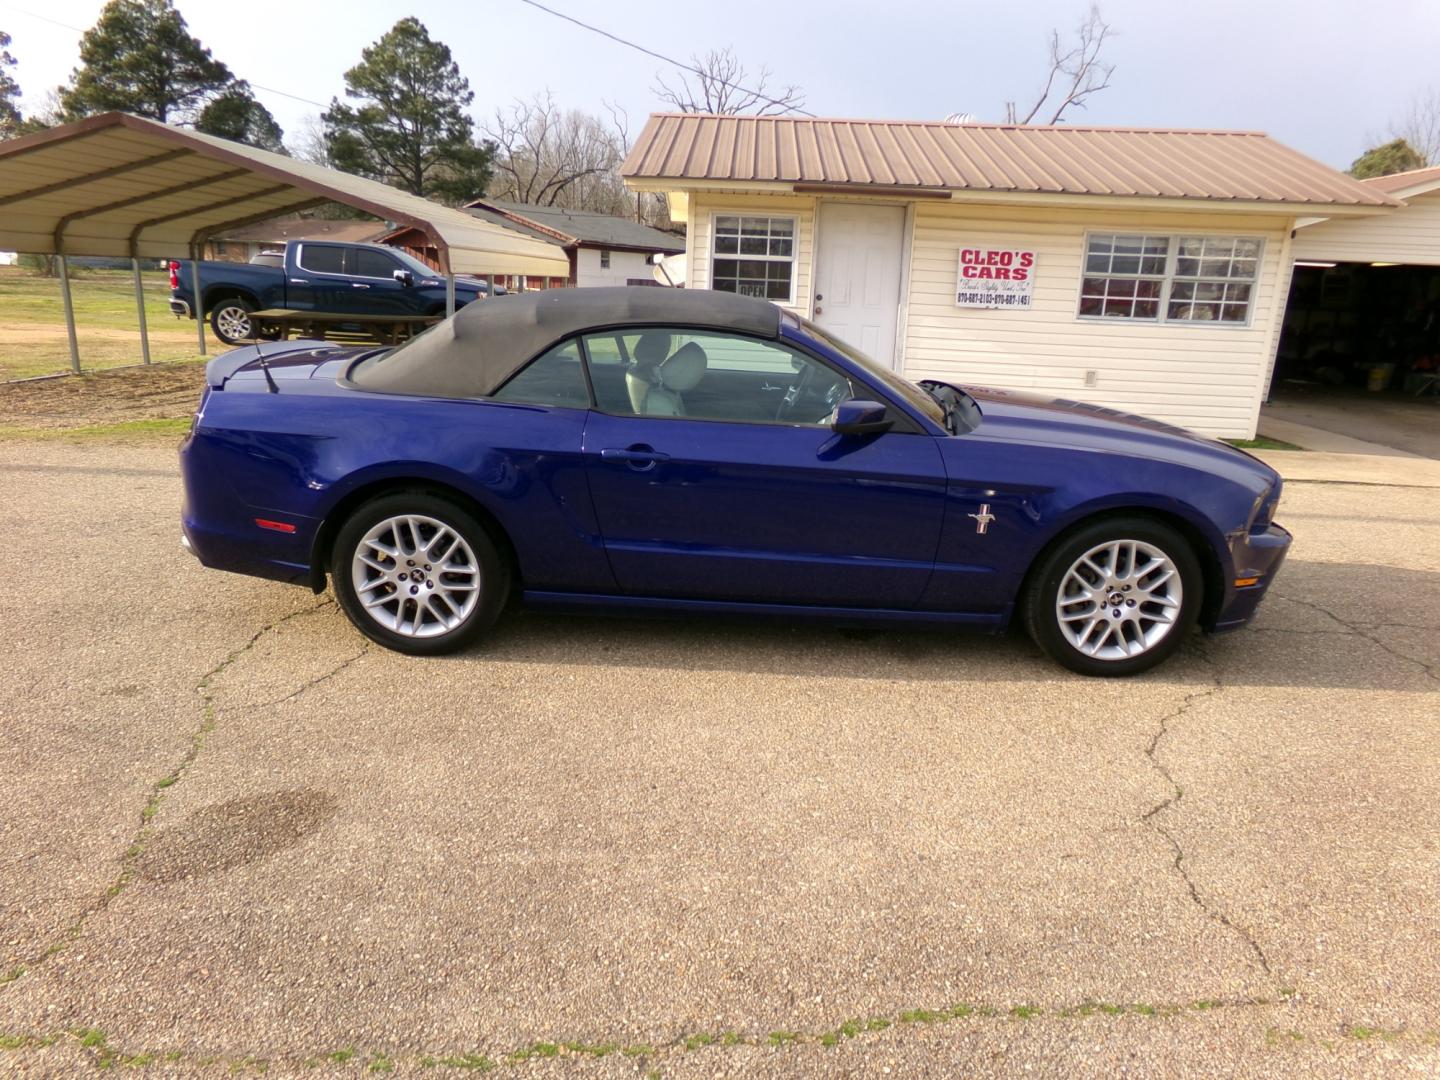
(1257, 555)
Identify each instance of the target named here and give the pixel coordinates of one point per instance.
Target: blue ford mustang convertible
(644, 450)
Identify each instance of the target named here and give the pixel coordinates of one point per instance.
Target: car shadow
(1341, 625)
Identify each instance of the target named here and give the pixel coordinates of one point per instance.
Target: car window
(320, 259)
(553, 378)
(711, 376)
(917, 398)
(366, 263)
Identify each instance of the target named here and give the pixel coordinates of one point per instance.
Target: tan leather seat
(655, 389)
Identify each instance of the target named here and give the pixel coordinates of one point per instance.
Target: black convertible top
(473, 353)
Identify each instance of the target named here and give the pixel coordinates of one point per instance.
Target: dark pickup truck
(366, 279)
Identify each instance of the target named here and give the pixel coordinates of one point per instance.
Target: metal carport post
(69, 313)
(140, 310)
(199, 300)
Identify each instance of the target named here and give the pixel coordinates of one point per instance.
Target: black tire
(429, 638)
(225, 317)
(1043, 592)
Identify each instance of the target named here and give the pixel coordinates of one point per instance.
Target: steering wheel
(796, 393)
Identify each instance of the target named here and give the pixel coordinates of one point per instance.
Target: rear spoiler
(220, 369)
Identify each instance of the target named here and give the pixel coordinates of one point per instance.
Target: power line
(666, 59)
(78, 30)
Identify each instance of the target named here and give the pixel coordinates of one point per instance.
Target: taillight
(174, 275)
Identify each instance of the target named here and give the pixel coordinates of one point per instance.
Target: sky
(1328, 77)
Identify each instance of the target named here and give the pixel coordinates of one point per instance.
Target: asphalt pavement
(236, 837)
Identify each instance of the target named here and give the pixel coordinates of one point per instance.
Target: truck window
(367, 263)
(319, 259)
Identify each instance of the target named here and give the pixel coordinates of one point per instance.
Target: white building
(603, 249)
(1144, 270)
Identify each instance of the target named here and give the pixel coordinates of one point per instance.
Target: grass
(168, 427)
(105, 1055)
(32, 322)
(1263, 442)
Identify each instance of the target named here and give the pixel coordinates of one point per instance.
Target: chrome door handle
(299, 281)
(357, 285)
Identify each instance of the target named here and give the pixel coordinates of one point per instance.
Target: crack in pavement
(143, 833)
(1176, 794)
(1363, 630)
(104, 1055)
(336, 670)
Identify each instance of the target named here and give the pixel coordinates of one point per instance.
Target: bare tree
(1076, 72)
(1420, 126)
(648, 207)
(553, 157)
(307, 141)
(721, 84)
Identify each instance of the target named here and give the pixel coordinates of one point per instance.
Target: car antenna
(265, 368)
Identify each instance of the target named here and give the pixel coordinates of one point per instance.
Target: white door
(857, 275)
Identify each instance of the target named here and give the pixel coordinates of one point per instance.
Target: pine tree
(409, 127)
(236, 115)
(141, 58)
(1394, 156)
(9, 92)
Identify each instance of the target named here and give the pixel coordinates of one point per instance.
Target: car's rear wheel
(418, 574)
(1115, 597)
(230, 319)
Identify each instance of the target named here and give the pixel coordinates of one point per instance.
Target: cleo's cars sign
(995, 278)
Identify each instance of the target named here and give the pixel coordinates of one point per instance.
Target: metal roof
(1233, 166)
(585, 226)
(115, 184)
(278, 230)
(1402, 184)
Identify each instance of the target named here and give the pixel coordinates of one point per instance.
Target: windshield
(902, 387)
(414, 265)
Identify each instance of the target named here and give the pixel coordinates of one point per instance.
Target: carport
(121, 185)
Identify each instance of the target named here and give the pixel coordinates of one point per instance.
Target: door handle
(640, 458)
(299, 281)
(357, 285)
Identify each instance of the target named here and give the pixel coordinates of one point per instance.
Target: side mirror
(859, 418)
(404, 277)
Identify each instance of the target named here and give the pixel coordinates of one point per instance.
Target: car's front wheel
(1115, 597)
(417, 573)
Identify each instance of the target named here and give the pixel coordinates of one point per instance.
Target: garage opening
(1360, 329)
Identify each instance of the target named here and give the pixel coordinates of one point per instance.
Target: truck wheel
(230, 319)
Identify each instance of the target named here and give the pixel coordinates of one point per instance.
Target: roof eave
(1411, 192)
(1012, 198)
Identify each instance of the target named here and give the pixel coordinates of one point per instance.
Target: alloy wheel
(233, 322)
(416, 576)
(1119, 600)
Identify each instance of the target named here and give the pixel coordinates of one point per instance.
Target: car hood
(1014, 416)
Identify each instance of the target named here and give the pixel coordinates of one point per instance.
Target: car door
(373, 288)
(318, 281)
(714, 475)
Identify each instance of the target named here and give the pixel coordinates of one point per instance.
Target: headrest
(685, 369)
(652, 348)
